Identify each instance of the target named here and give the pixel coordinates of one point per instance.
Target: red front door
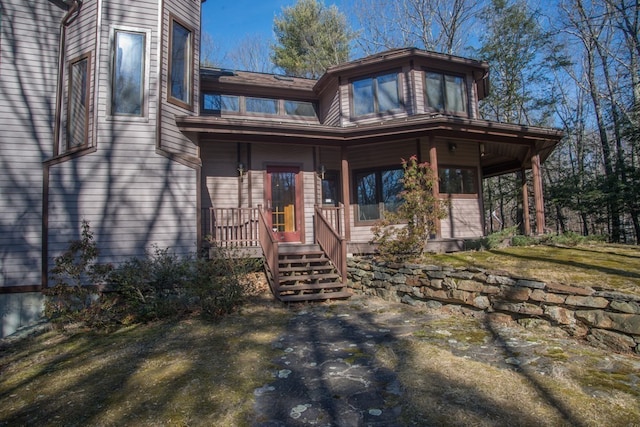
(283, 193)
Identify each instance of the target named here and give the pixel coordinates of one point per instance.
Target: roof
(218, 77)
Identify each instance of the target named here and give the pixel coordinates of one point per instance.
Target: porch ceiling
(507, 147)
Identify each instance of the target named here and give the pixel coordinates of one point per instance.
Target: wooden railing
(269, 245)
(330, 238)
(231, 227)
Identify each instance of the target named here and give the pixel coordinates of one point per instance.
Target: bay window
(376, 95)
(444, 92)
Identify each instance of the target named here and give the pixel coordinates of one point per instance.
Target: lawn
(615, 267)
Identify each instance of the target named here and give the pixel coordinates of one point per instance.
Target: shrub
(520, 240)
(160, 285)
(406, 231)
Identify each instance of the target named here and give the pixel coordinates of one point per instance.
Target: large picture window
(78, 102)
(377, 191)
(180, 64)
(127, 92)
(458, 180)
(375, 95)
(445, 92)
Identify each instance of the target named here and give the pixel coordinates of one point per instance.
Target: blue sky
(230, 21)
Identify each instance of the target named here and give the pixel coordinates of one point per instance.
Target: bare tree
(251, 54)
(437, 25)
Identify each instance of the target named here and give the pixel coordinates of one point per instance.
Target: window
(458, 180)
(299, 108)
(261, 105)
(377, 191)
(78, 102)
(445, 92)
(330, 188)
(180, 64)
(376, 95)
(127, 93)
(215, 102)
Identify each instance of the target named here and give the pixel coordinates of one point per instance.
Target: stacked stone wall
(604, 317)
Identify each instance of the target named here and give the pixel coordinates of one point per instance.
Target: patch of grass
(188, 372)
(556, 353)
(615, 267)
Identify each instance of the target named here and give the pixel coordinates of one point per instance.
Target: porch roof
(506, 147)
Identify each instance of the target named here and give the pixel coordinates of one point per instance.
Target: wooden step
(316, 296)
(323, 267)
(311, 286)
(310, 276)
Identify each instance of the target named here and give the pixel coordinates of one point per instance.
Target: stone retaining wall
(605, 317)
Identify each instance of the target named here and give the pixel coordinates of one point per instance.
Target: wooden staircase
(305, 273)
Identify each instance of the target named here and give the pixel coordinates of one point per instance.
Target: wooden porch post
(433, 161)
(346, 194)
(526, 219)
(537, 193)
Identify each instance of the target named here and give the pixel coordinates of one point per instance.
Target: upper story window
(455, 180)
(239, 104)
(180, 64)
(444, 92)
(128, 73)
(377, 191)
(376, 95)
(299, 108)
(216, 102)
(261, 105)
(78, 102)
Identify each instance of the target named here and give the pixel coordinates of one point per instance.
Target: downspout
(66, 20)
(64, 23)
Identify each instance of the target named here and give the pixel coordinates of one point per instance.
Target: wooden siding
(330, 106)
(171, 139)
(133, 197)
(464, 220)
(220, 176)
(29, 42)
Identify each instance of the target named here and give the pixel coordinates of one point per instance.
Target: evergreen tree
(310, 38)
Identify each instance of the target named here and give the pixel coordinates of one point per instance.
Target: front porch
(295, 271)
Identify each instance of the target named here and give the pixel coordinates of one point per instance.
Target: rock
(560, 315)
(614, 340)
(436, 274)
(500, 280)
(534, 284)
(622, 322)
(520, 308)
(462, 296)
(462, 274)
(565, 289)
(470, 285)
(435, 293)
(542, 296)
(436, 305)
(449, 283)
(481, 302)
(580, 301)
(617, 295)
(408, 300)
(631, 307)
(516, 294)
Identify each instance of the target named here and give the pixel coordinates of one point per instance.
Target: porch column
(537, 193)
(433, 161)
(526, 219)
(346, 194)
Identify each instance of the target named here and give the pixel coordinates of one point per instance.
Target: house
(108, 117)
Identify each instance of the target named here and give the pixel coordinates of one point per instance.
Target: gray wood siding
(133, 197)
(221, 181)
(464, 220)
(330, 106)
(172, 140)
(29, 41)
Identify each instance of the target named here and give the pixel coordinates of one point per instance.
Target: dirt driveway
(370, 362)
